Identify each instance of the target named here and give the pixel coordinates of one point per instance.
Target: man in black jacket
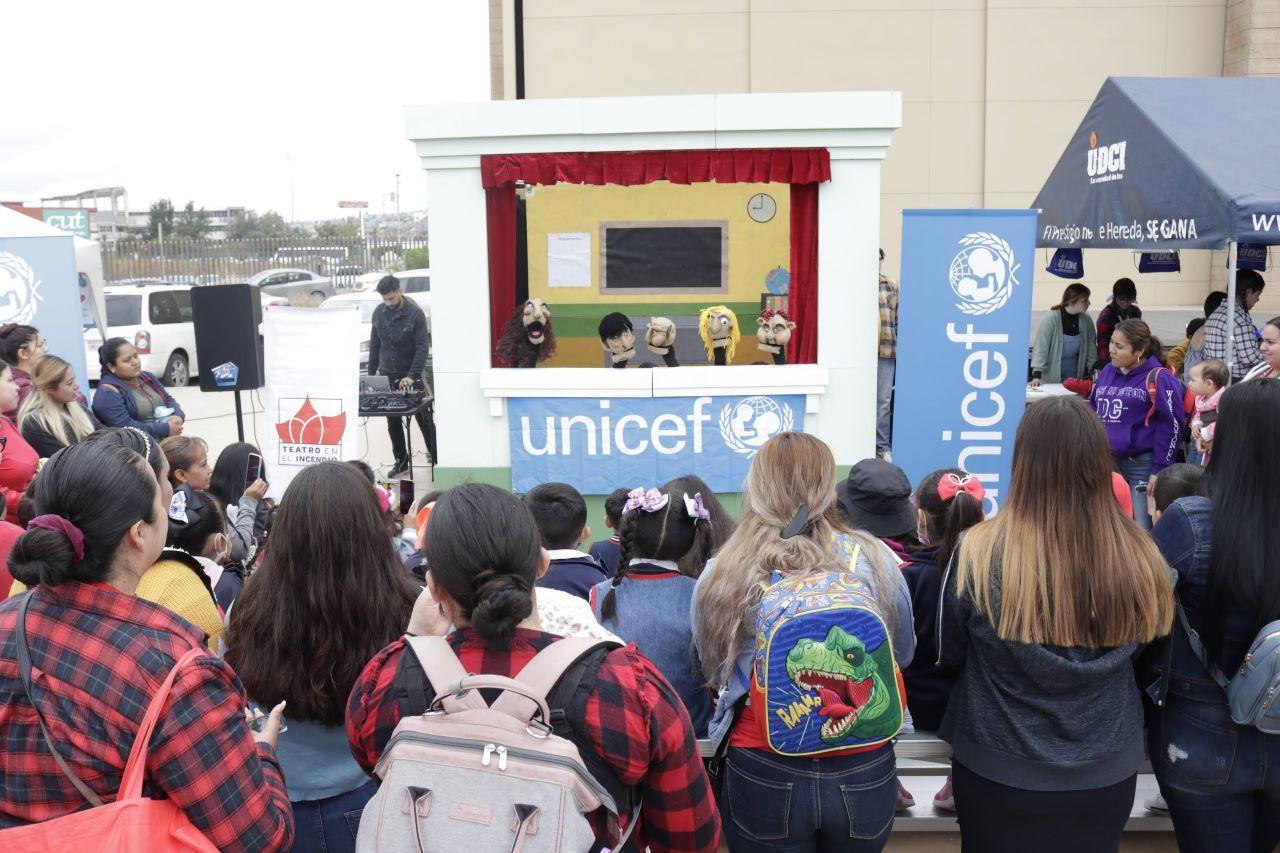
(398, 344)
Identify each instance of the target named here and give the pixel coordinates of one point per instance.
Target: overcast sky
(219, 103)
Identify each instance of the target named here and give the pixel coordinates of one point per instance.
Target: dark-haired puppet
(618, 338)
(775, 333)
(718, 328)
(528, 339)
(660, 335)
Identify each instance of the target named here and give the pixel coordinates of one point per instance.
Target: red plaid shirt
(98, 656)
(638, 724)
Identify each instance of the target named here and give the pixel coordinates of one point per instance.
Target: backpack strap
(1197, 646)
(1152, 378)
(445, 673)
(541, 674)
(24, 669)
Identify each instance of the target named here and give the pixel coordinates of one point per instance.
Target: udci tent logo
(18, 285)
(1106, 162)
(982, 273)
(747, 424)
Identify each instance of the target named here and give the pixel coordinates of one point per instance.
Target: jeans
(426, 423)
(1221, 781)
(330, 825)
(1136, 471)
(885, 368)
(809, 805)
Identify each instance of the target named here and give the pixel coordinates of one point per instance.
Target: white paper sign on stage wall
(312, 361)
(963, 328)
(569, 260)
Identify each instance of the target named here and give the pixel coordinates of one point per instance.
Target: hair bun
(501, 601)
(42, 556)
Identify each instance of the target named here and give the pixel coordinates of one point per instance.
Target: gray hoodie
(1042, 718)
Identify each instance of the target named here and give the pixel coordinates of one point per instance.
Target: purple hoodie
(1123, 405)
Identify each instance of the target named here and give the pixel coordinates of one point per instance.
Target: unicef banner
(963, 331)
(39, 286)
(598, 445)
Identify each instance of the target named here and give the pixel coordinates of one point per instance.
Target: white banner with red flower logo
(312, 359)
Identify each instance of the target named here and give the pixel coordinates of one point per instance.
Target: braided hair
(667, 534)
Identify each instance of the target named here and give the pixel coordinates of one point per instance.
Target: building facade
(992, 89)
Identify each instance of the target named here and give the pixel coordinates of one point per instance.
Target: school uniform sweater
(573, 572)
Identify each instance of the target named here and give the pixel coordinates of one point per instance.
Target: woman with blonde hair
(1044, 607)
(52, 417)
(835, 798)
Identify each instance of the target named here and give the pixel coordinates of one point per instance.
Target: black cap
(877, 498)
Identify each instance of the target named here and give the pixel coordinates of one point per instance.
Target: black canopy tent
(1160, 164)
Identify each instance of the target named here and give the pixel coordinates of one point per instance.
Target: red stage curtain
(803, 299)
(627, 168)
(500, 215)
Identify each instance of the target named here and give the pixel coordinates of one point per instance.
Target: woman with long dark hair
(485, 553)
(245, 503)
(1221, 780)
(1144, 433)
(1044, 608)
(329, 595)
(99, 650)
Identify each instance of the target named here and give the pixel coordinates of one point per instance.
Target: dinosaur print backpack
(824, 677)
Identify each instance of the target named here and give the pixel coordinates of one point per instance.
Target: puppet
(775, 333)
(660, 335)
(528, 339)
(718, 328)
(618, 337)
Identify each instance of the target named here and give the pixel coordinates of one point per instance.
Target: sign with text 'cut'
(963, 330)
(597, 445)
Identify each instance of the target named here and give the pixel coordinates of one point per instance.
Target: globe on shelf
(778, 281)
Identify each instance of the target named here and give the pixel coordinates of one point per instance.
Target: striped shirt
(1245, 340)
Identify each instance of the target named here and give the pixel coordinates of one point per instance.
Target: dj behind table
(379, 400)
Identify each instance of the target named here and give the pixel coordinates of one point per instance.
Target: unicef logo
(747, 424)
(982, 273)
(17, 290)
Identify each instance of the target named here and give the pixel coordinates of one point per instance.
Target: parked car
(155, 317)
(293, 284)
(366, 301)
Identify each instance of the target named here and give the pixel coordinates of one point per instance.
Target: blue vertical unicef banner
(598, 444)
(964, 318)
(39, 286)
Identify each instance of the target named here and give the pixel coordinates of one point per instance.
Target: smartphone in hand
(252, 469)
(406, 495)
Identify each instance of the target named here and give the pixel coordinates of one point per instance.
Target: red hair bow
(953, 484)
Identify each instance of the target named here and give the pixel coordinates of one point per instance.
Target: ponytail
(949, 517)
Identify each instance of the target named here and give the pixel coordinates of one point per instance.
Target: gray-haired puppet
(660, 336)
(618, 338)
(528, 339)
(774, 333)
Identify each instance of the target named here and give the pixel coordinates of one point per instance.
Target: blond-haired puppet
(774, 333)
(718, 328)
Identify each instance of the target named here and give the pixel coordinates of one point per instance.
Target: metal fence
(230, 261)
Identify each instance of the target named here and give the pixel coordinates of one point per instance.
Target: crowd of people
(1054, 646)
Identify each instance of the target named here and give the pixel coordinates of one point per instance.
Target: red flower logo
(309, 427)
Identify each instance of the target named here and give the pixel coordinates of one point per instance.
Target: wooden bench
(923, 762)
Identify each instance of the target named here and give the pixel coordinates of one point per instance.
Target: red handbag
(131, 823)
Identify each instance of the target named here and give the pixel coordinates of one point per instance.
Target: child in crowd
(199, 527)
(1177, 356)
(561, 516)
(648, 601)
(876, 497)
(1123, 306)
(189, 471)
(1176, 481)
(606, 550)
(1209, 378)
(722, 526)
(948, 503)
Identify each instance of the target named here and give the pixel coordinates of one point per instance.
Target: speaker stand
(239, 417)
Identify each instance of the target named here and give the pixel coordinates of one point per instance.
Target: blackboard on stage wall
(664, 257)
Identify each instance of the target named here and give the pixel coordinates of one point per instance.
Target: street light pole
(397, 196)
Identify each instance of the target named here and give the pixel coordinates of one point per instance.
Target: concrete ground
(211, 416)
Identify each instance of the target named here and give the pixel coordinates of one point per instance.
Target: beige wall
(992, 89)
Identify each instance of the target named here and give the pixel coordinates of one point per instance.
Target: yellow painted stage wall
(754, 248)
